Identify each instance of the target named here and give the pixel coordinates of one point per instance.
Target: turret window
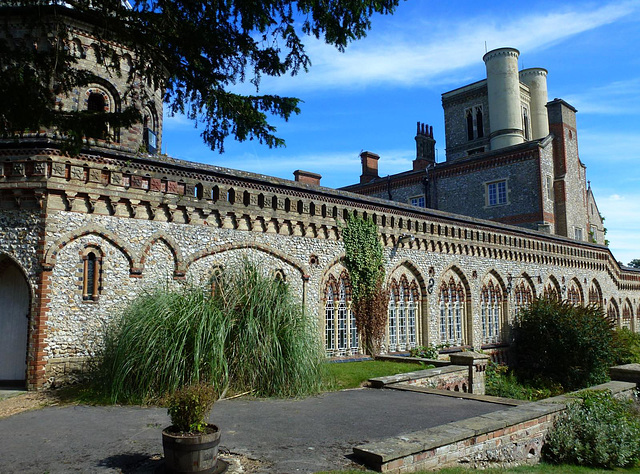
(475, 125)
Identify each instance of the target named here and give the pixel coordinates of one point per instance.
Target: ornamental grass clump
(250, 335)
(595, 430)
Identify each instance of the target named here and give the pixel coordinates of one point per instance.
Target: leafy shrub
(251, 335)
(595, 430)
(502, 382)
(189, 407)
(570, 345)
(627, 346)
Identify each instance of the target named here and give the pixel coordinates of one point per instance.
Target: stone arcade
(81, 235)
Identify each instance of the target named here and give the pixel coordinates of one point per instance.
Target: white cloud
(616, 98)
(404, 57)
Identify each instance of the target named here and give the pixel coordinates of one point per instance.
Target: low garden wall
(511, 436)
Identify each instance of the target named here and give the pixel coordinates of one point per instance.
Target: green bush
(251, 336)
(566, 344)
(595, 430)
(627, 346)
(189, 407)
(502, 382)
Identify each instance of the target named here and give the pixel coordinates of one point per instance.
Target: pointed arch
(454, 305)
(299, 266)
(174, 248)
(575, 295)
(627, 320)
(340, 329)
(54, 248)
(552, 288)
(493, 308)
(404, 313)
(595, 293)
(613, 312)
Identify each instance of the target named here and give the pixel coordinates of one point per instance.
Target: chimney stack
(307, 177)
(369, 166)
(425, 147)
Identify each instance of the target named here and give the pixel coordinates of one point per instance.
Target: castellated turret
(536, 80)
(503, 87)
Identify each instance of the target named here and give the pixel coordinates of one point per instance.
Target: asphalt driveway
(287, 436)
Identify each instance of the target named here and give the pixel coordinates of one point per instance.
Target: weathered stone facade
(153, 221)
(92, 231)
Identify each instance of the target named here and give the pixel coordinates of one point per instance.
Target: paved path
(289, 436)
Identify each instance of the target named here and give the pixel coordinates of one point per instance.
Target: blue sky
(371, 96)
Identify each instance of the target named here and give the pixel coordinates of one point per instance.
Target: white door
(14, 309)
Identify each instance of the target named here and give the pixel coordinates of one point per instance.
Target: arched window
(329, 319)
(452, 312)
(393, 337)
(479, 123)
(469, 125)
(91, 274)
(96, 102)
(491, 310)
(612, 312)
(551, 292)
(627, 316)
(341, 333)
(595, 296)
(574, 295)
(522, 296)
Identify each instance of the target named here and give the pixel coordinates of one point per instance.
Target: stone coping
(380, 382)
(626, 373)
(414, 360)
(465, 395)
(386, 450)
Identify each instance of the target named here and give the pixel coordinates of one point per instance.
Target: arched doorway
(14, 322)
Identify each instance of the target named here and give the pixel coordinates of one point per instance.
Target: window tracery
(491, 311)
(341, 333)
(452, 312)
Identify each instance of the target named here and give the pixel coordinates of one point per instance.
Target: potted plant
(191, 444)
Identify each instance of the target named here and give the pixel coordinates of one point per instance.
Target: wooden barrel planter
(185, 453)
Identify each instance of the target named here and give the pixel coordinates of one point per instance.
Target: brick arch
(494, 273)
(51, 253)
(304, 271)
(552, 285)
(613, 312)
(576, 284)
(595, 293)
(174, 248)
(530, 282)
(465, 281)
(413, 269)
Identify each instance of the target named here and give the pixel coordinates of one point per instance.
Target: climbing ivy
(364, 261)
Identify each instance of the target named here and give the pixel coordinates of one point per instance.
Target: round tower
(503, 86)
(536, 79)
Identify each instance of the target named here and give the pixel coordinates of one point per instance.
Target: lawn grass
(342, 375)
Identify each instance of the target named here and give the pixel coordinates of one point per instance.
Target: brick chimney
(425, 147)
(307, 177)
(369, 166)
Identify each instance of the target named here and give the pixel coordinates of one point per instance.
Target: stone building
(81, 236)
(514, 154)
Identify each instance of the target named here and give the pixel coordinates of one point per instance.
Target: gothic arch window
(522, 296)
(627, 316)
(91, 273)
(341, 333)
(595, 295)
(216, 277)
(403, 311)
(551, 290)
(612, 312)
(574, 293)
(491, 311)
(452, 302)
